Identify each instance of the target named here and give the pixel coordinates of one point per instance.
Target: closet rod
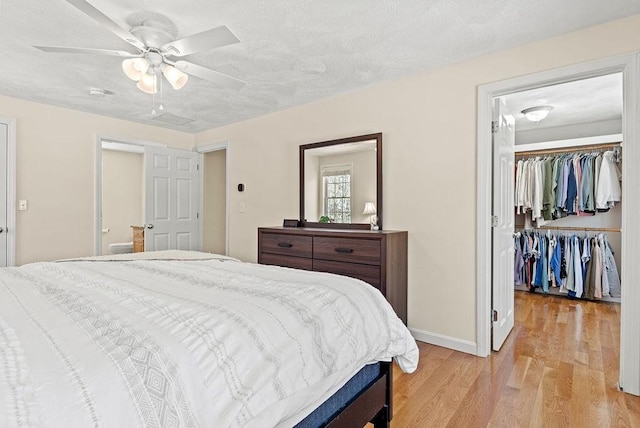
(570, 149)
(584, 229)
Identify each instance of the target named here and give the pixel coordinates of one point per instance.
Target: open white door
(503, 223)
(172, 195)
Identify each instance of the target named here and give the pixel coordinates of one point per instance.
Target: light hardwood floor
(558, 368)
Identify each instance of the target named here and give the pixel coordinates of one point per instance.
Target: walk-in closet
(567, 181)
(567, 239)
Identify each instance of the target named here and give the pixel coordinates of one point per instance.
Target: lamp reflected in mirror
(370, 210)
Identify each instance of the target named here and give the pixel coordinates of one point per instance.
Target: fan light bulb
(148, 83)
(135, 68)
(176, 77)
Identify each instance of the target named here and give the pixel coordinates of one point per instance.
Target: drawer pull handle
(344, 250)
(285, 245)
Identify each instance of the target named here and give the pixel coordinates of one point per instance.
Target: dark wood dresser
(376, 257)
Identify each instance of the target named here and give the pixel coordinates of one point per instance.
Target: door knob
(149, 226)
(1, 229)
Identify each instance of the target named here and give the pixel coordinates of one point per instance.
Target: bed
(187, 339)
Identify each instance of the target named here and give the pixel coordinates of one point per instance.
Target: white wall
(56, 174)
(122, 193)
(567, 132)
(428, 123)
(214, 214)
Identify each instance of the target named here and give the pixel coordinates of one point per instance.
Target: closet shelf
(591, 148)
(584, 229)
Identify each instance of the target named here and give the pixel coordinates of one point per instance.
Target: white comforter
(158, 343)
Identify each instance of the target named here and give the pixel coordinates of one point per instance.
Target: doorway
(150, 186)
(118, 162)
(550, 128)
(215, 197)
(630, 321)
(214, 233)
(122, 194)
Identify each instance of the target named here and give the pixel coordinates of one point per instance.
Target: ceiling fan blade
(209, 75)
(210, 39)
(61, 49)
(104, 20)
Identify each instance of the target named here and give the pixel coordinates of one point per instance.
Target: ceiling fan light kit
(154, 51)
(135, 68)
(148, 83)
(176, 77)
(145, 72)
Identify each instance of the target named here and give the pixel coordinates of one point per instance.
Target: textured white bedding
(207, 341)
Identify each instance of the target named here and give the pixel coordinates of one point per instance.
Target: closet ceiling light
(536, 114)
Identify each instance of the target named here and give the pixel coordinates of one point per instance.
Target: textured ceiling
(582, 101)
(291, 52)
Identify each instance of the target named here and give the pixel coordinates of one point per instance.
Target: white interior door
(4, 144)
(172, 195)
(503, 223)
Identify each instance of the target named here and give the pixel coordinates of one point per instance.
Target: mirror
(341, 183)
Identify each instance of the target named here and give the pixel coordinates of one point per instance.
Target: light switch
(22, 205)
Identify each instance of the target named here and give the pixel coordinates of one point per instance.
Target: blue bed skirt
(341, 399)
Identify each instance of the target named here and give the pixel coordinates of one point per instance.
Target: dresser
(376, 257)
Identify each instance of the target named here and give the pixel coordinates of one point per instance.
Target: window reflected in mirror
(339, 181)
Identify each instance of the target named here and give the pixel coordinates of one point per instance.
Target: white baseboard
(444, 341)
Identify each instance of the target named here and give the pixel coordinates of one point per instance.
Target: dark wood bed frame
(373, 404)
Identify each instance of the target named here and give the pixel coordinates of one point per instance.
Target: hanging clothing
(582, 267)
(611, 271)
(608, 189)
(572, 190)
(567, 184)
(597, 268)
(548, 195)
(518, 266)
(589, 277)
(552, 187)
(577, 266)
(554, 261)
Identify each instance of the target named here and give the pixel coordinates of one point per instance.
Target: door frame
(204, 149)
(630, 321)
(98, 180)
(11, 189)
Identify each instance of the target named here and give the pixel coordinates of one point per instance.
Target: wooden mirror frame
(365, 226)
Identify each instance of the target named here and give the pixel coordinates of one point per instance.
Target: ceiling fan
(155, 52)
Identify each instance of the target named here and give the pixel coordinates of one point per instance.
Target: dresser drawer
(286, 261)
(378, 258)
(347, 250)
(287, 245)
(367, 273)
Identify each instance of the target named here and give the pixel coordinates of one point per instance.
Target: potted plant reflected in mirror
(325, 219)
